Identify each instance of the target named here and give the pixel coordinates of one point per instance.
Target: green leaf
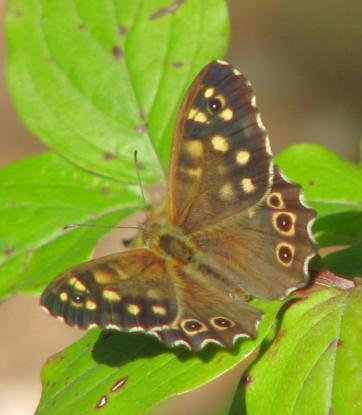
(339, 229)
(76, 379)
(331, 184)
(314, 365)
(99, 80)
(38, 197)
(346, 261)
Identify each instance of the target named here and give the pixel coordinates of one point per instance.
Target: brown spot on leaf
(142, 128)
(246, 380)
(105, 191)
(102, 401)
(119, 384)
(280, 335)
(8, 251)
(178, 64)
(123, 30)
(170, 9)
(81, 26)
(143, 115)
(19, 13)
(335, 343)
(117, 52)
(311, 182)
(108, 155)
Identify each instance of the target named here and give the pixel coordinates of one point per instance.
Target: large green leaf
(81, 377)
(314, 365)
(97, 80)
(38, 197)
(331, 184)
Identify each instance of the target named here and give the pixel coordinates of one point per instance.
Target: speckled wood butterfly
(234, 228)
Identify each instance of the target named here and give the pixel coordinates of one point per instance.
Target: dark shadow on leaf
(116, 349)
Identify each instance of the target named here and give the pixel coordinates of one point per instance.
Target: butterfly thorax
(169, 242)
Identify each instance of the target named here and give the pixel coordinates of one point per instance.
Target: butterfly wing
(265, 251)
(139, 291)
(221, 160)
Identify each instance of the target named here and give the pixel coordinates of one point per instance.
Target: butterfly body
(234, 227)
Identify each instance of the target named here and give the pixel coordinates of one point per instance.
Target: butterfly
(234, 228)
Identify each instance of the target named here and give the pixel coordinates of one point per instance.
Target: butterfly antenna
(139, 180)
(90, 225)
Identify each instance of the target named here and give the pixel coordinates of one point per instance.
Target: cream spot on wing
(78, 285)
(253, 101)
(251, 212)
(91, 305)
(134, 309)
(192, 113)
(200, 117)
(195, 148)
(220, 143)
(247, 185)
(209, 92)
(242, 157)
(226, 191)
(159, 309)
(236, 72)
(221, 62)
(194, 172)
(63, 296)
(111, 295)
(227, 114)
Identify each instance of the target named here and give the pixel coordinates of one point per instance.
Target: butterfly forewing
(221, 162)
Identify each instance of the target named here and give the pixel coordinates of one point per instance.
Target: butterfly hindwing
(221, 160)
(266, 249)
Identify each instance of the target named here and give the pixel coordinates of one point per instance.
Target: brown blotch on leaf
(8, 251)
(142, 128)
(109, 156)
(19, 13)
(279, 336)
(335, 343)
(170, 9)
(105, 191)
(102, 401)
(246, 380)
(143, 115)
(311, 182)
(119, 384)
(178, 64)
(81, 26)
(50, 60)
(123, 30)
(117, 52)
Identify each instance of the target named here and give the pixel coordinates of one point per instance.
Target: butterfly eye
(214, 105)
(78, 298)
